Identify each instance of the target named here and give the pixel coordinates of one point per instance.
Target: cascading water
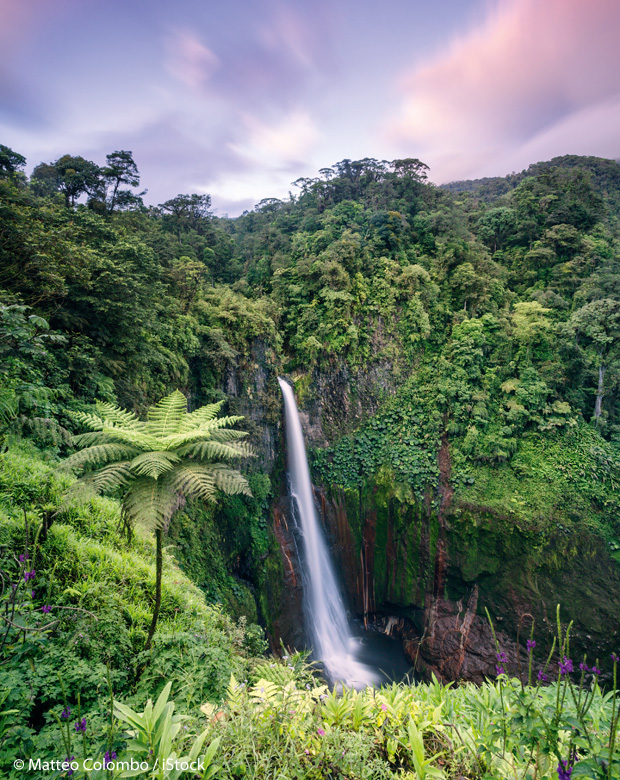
(333, 643)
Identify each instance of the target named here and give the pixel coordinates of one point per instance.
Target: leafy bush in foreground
(299, 729)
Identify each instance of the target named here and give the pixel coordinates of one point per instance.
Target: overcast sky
(238, 98)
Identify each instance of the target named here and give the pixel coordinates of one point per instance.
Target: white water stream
(333, 643)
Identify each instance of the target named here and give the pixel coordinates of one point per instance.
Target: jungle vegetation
(490, 308)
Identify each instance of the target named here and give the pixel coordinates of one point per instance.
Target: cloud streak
(279, 145)
(520, 76)
(188, 59)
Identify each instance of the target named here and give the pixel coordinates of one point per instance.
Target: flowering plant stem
(501, 687)
(615, 716)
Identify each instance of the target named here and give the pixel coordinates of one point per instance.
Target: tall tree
(596, 327)
(496, 225)
(44, 180)
(157, 463)
(411, 167)
(187, 212)
(73, 176)
(121, 169)
(10, 161)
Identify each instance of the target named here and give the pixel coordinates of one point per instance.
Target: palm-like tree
(158, 462)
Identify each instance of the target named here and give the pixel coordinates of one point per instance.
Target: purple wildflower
(566, 666)
(80, 725)
(542, 677)
(32, 593)
(66, 713)
(68, 760)
(584, 667)
(531, 644)
(29, 575)
(108, 758)
(502, 658)
(384, 707)
(23, 557)
(500, 670)
(320, 732)
(615, 658)
(46, 608)
(564, 770)
(595, 670)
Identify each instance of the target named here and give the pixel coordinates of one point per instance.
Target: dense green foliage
(511, 301)
(76, 609)
(481, 319)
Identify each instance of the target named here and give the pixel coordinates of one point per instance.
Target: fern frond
(212, 450)
(197, 418)
(110, 477)
(153, 464)
(143, 441)
(179, 439)
(222, 422)
(114, 415)
(9, 406)
(99, 454)
(230, 481)
(149, 503)
(166, 416)
(192, 479)
(92, 421)
(92, 438)
(227, 435)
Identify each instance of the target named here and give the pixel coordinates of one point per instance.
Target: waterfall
(333, 643)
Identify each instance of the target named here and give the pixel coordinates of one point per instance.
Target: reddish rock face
(460, 645)
(287, 626)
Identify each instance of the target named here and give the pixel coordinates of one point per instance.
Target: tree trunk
(600, 392)
(158, 569)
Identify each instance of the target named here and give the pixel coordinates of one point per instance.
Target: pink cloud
(528, 68)
(189, 60)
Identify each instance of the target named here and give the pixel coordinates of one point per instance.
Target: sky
(239, 98)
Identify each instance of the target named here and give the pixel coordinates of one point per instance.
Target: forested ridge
(456, 350)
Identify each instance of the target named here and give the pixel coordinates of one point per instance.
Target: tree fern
(230, 481)
(205, 431)
(111, 477)
(92, 421)
(166, 416)
(150, 504)
(154, 464)
(225, 435)
(204, 414)
(214, 450)
(99, 454)
(116, 416)
(157, 463)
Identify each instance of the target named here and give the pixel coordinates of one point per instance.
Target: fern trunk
(158, 571)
